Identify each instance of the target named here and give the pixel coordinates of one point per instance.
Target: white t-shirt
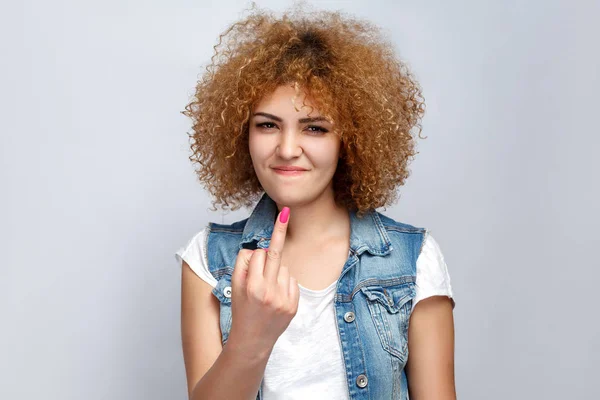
(310, 343)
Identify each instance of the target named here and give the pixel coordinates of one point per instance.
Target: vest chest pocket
(390, 308)
(223, 292)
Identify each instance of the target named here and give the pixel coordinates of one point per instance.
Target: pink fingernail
(285, 213)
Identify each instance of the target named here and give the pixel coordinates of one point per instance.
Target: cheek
(325, 154)
(256, 147)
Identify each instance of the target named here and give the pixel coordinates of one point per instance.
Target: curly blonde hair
(353, 76)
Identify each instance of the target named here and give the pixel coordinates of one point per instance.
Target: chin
(296, 197)
(291, 198)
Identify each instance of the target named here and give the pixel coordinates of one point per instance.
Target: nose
(289, 144)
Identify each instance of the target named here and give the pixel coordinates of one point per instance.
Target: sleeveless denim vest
(373, 299)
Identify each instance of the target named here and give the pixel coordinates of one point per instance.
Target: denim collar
(366, 233)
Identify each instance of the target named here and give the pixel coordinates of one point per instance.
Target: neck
(318, 220)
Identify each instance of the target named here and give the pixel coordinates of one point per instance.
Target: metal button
(227, 291)
(361, 381)
(349, 316)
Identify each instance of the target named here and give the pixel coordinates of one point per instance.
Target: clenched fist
(264, 297)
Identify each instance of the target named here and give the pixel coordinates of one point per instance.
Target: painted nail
(285, 213)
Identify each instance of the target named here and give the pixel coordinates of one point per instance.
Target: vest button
(349, 316)
(227, 291)
(361, 381)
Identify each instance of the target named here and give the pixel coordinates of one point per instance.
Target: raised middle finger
(276, 245)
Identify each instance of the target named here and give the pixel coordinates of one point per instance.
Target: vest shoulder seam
(391, 224)
(234, 227)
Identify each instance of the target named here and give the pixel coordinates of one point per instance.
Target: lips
(289, 168)
(289, 172)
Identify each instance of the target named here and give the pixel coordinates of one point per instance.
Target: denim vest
(373, 299)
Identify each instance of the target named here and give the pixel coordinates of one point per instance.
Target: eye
(264, 125)
(318, 130)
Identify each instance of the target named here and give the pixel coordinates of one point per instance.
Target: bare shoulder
(200, 329)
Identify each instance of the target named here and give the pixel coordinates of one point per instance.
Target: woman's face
(282, 137)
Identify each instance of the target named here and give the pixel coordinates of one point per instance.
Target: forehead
(287, 100)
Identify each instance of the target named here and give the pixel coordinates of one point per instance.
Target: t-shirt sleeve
(433, 278)
(194, 254)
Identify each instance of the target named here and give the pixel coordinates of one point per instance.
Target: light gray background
(98, 193)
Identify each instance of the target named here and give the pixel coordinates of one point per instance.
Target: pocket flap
(391, 297)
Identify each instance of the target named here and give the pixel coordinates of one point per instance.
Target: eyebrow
(301, 120)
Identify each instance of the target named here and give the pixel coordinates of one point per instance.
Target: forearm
(235, 375)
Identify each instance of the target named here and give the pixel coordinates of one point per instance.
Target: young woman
(315, 294)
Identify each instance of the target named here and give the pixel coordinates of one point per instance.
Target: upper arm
(430, 364)
(200, 329)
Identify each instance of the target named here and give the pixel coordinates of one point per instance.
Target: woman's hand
(264, 297)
